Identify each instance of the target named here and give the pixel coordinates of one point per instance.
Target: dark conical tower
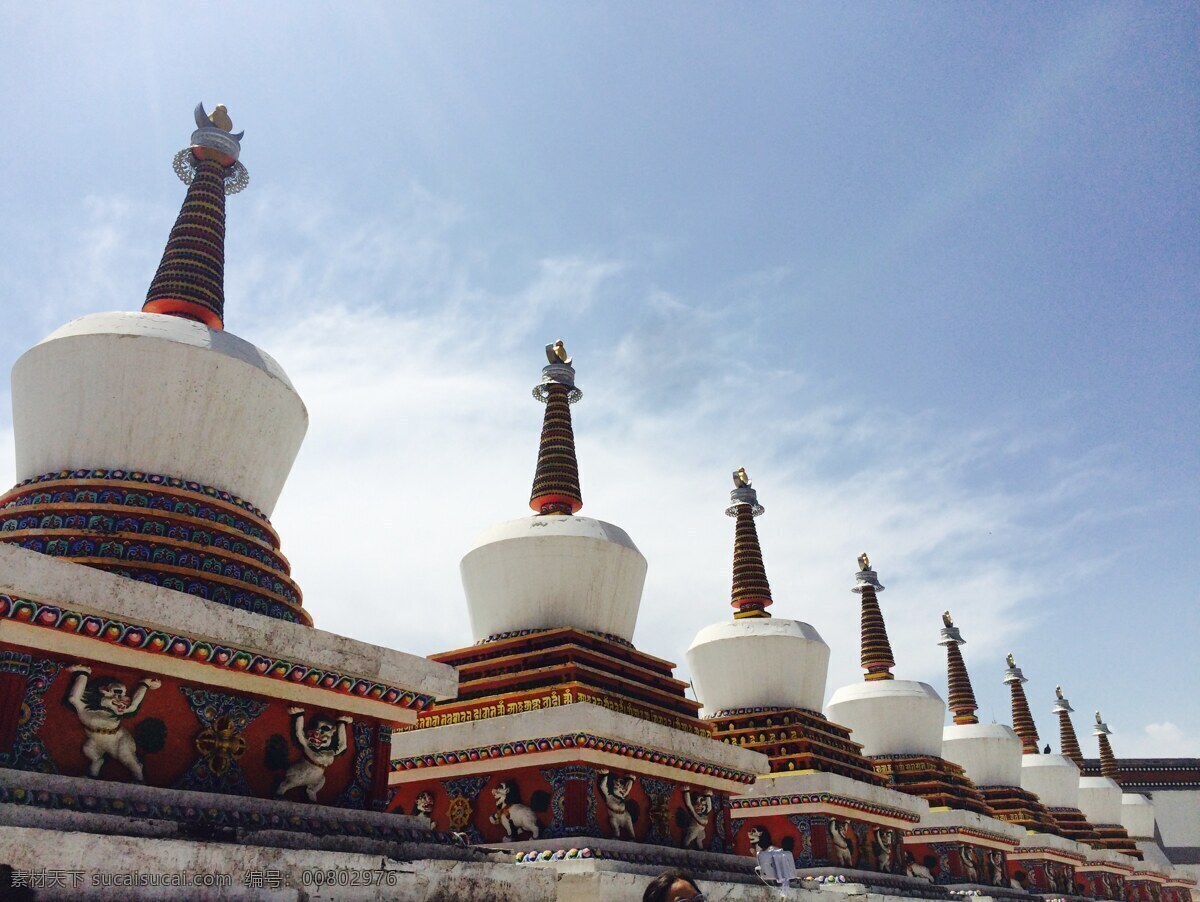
(556, 478)
(190, 281)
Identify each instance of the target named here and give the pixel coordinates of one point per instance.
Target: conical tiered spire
(1066, 730)
(962, 702)
(876, 657)
(751, 591)
(1023, 724)
(556, 480)
(190, 281)
(1108, 761)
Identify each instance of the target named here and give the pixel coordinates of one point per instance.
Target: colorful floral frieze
(153, 479)
(228, 657)
(153, 527)
(556, 855)
(823, 798)
(570, 741)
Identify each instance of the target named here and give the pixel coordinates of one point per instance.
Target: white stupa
(756, 660)
(888, 716)
(554, 569)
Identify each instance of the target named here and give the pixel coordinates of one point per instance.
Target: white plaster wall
(1052, 778)
(1178, 815)
(758, 662)
(1137, 815)
(990, 753)
(890, 717)
(553, 571)
(160, 394)
(1100, 800)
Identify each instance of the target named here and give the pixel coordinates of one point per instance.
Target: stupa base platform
(1145, 884)
(1021, 807)
(1104, 874)
(103, 676)
(81, 804)
(962, 847)
(1045, 864)
(1115, 838)
(1074, 825)
(941, 783)
(826, 821)
(579, 771)
(536, 669)
(1178, 888)
(796, 740)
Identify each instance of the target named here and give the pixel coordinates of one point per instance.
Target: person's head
(673, 886)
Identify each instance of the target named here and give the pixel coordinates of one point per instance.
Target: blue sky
(928, 271)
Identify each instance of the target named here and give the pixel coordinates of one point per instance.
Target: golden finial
(1098, 718)
(220, 118)
(947, 619)
(740, 479)
(1011, 662)
(864, 562)
(1058, 691)
(557, 353)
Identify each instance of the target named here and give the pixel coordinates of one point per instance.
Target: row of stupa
(164, 688)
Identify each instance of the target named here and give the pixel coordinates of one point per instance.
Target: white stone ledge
(580, 717)
(39, 577)
(835, 784)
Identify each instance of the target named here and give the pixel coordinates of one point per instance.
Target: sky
(928, 271)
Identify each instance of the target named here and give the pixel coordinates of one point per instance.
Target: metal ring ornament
(237, 177)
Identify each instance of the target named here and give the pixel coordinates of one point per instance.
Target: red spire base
(876, 657)
(1066, 737)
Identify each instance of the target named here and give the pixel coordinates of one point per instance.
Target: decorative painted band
(570, 741)
(513, 634)
(823, 798)
(176, 503)
(228, 657)
(112, 519)
(963, 831)
(246, 600)
(151, 478)
(158, 555)
(739, 712)
(1035, 851)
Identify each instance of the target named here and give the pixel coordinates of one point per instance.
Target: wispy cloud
(416, 370)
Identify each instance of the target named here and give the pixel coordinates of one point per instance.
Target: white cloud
(416, 370)
(1158, 740)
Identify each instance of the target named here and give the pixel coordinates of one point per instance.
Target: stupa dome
(159, 394)
(891, 717)
(1052, 778)
(759, 663)
(1137, 815)
(990, 753)
(546, 572)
